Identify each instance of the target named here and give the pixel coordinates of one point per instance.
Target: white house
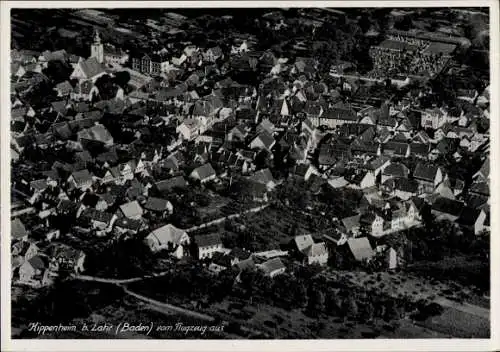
(168, 237)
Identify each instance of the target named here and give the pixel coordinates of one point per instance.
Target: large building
(153, 64)
(107, 53)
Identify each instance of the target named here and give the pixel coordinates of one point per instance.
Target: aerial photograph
(250, 173)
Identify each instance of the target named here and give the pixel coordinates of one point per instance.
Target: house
(151, 64)
(170, 238)
(213, 54)
(373, 223)
(63, 89)
(420, 150)
(89, 69)
(378, 164)
(428, 177)
(484, 172)
(272, 267)
(352, 224)
(316, 253)
(100, 221)
(129, 226)
(238, 133)
(131, 210)
(360, 179)
(24, 249)
(472, 219)
(35, 271)
(96, 133)
(264, 141)
(158, 206)
(63, 257)
(189, 129)
(334, 117)
(264, 177)
(397, 149)
(394, 170)
(171, 184)
(336, 237)
(400, 187)
(302, 242)
(80, 179)
(433, 118)
(444, 208)
(204, 173)
(360, 249)
(207, 245)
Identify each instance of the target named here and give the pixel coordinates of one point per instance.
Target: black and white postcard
(211, 174)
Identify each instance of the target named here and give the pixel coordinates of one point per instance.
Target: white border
(244, 345)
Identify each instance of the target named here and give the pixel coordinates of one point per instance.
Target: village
(241, 158)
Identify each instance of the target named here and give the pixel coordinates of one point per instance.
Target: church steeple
(97, 38)
(97, 49)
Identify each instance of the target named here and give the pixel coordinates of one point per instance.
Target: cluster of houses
(189, 124)
(404, 54)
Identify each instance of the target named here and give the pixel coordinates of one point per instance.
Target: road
(228, 217)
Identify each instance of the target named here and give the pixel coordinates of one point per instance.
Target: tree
(106, 86)
(122, 78)
(57, 71)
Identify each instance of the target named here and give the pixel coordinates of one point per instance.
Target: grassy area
(461, 269)
(458, 324)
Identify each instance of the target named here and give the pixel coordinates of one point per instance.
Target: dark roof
(205, 171)
(448, 206)
(469, 216)
(340, 114)
(425, 172)
(420, 149)
(208, 240)
(396, 169)
(169, 184)
(156, 204)
(397, 147)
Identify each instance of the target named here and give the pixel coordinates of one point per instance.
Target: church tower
(97, 49)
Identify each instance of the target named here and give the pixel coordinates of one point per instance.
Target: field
(462, 317)
(454, 322)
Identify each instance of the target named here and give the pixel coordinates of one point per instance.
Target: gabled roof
(17, 229)
(129, 224)
(131, 209)
(38, 262)
(302, 242)
(448, 206)
(316, 249)
(272, 265)
(82, 176)
(360, 248)
(91, 67)
(425, 172)
(266, 139)
(263, 176)
(396, 169)
(204, 171)
(156, 204)
(469, 216)
(168, 234)
(351, 222)
(209, 240)
(169, 184)
(96, 215)
(64, 88)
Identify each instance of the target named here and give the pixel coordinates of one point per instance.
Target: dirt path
(228, 217)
